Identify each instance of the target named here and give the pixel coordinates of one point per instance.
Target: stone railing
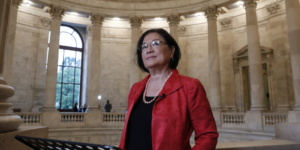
(113, 117)
(233, 118)
(31, 118)
(72, 117)
(269, 119)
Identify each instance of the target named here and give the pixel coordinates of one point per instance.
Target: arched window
(68, 89)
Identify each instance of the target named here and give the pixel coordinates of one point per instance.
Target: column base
(294, 116)
(93, 118)
(44, 109)
(253, 120)
(9, 122)
(258, 108)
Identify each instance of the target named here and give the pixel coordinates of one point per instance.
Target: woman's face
(158, 57)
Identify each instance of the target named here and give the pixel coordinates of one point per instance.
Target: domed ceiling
(145, 8)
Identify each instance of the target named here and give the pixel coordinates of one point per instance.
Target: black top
(139, 135)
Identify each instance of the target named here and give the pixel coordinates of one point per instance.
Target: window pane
(59, 73)
(78, 39)
(67, 96)
(68, 75)
(66, 29)
(67, 39)
(77, 75)
(60, 57)
(78, 59)
(58, 92)
(69, 58)
(76, 94)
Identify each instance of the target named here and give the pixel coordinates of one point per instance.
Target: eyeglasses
(154, 44)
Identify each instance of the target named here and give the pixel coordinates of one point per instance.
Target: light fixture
(240, 3)
(157, 18)
(199, 14)
(27, 3)
(116, 19)
(74, 13)
(99, 97)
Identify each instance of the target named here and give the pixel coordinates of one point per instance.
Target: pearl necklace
(144, 95)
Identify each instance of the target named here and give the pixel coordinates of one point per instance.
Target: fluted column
(254, 57)
(135, 72)
(211, 14)
(94, 90)
(56, 13)
(10, 39)
(8, 121)
(174, 20)
(293, 23)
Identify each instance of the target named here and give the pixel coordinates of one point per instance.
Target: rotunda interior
(56, 53)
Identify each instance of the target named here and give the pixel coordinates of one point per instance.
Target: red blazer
(184, 108)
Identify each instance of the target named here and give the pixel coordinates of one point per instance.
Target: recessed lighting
(157, 18)
(199, 14)
(74, 13)
(240, 3)
(116, 19)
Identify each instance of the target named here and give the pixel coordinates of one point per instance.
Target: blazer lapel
(172, 84)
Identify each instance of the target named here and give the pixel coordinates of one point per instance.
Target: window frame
(81, 71)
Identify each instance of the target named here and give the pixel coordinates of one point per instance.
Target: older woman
(165, 107)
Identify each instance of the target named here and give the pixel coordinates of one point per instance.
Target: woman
(165, 107)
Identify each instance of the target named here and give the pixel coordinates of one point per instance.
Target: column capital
(17, 3)
(97, 19)
(136, 22)
(45, 22)
(57, 11)
(211, 12)
(173, 19)
(250, 3)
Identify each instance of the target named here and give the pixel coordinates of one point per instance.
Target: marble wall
(31, 44)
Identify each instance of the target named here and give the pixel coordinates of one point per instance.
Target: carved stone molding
(211, 12)
(17, 3)
(250, 3)
(136, 22)
(56, 11)
(273, 8)
(181, 29)
(45, 22)
(173, 19)
(225, 23)
(97, 19)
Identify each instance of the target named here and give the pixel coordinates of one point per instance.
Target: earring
(172, 59)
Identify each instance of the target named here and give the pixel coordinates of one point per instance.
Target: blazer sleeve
(206, 135)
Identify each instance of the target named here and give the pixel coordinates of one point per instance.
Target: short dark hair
(170, 42)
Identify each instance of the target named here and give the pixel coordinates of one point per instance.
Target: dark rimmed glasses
(154, 44)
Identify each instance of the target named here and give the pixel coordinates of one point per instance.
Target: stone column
(135, 72)
(8, 121)
(254, 57)
(56, 13)
(174, 20)
(293, 23)
(94, 90)
(10, 39)
(211, 14)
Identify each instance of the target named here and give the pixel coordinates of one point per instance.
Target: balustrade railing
(31, 118)
(233, 118)
(72, 117)
(113, 117)
(269, 119)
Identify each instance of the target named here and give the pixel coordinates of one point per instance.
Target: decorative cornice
(226, 22)
(97, 19)
(173, 19)
(45, 22)
(181, 29)
(250, 3)
(57, 11)
(136, 22)
(273, 7)
(17, 3)
(211, 12)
